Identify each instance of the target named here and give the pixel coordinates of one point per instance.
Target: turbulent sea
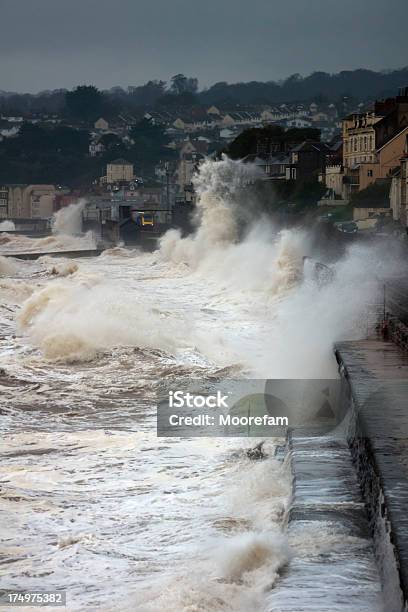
(91, 500)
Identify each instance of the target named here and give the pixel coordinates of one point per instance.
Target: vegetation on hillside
(341, 88)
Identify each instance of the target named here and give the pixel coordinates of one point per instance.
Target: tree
(46, 155)
(110, 141)
(307, 193)
(30, 139)
(301, 134)
(149, 143)
(148, 94)
(187, 98)
(68, 141)
(181, 84)
(84, 103)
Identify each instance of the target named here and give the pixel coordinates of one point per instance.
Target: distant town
(132, 154)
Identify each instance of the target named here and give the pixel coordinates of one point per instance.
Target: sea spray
(68, 220)
(7, 226)
(8, 266)
(73, 320)
(248, 552)
(219, 187)
(301, 317)
(66, 234)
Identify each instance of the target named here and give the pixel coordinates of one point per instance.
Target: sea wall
(375, 383)
(333, 567)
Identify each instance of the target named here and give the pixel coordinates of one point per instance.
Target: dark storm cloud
(60, 43)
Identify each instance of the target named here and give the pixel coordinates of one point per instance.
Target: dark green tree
(110, 141)
(149, 143)
(68, 141)
(84, 103)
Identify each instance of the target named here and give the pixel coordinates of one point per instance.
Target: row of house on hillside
(196, 118)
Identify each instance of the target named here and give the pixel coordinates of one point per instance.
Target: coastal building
(270, 167)
(359, 138)
(4, 202)
(373, 142)
(399, 190)
(403, 213)
(41, 201)
(333, 179)
(27, 201)
(393, 113)
(385, 161)
(307, 160)
(371, 211)
(192, 153)
(119, 171)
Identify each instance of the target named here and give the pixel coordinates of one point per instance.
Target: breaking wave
(7, 226)
(7, 266)
(66, 234)
(302, 316)
(68, 220)
(233, 579)
(75, 319)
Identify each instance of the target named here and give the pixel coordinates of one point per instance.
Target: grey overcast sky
(47, 44)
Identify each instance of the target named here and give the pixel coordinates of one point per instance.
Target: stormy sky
(47, 44)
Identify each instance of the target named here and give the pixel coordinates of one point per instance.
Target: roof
(405, 129)
(308, 145)
(120, 162)
(371, 204)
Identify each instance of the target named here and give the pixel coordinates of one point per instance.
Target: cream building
(16, 202)
(119, 171)
(41, 201)
(386, 159)
(333, 179)
(27, 201)
(359, 143)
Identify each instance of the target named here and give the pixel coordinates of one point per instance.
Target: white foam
(7, 226)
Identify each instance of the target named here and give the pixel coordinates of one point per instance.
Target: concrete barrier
(70, 254)
(376, 375)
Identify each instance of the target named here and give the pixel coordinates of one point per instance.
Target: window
(369, 173)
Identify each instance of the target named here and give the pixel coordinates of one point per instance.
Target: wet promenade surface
(377, 373)
(334, 566)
